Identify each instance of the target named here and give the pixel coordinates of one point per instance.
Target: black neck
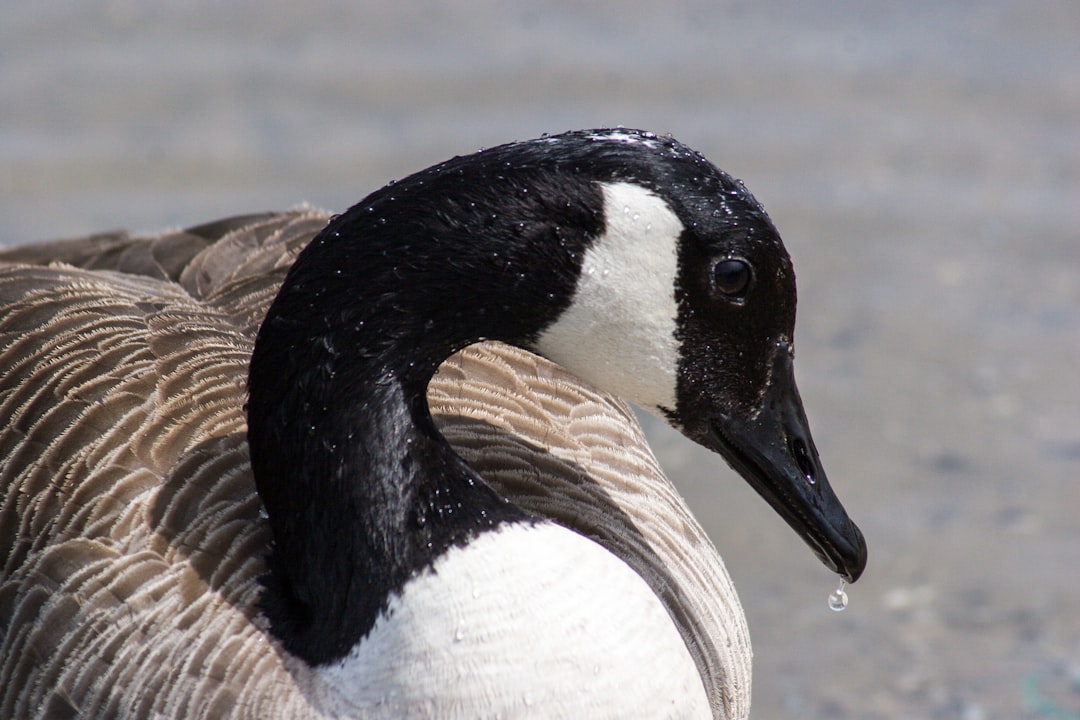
(360, 489)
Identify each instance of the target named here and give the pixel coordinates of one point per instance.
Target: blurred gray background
(921, 159)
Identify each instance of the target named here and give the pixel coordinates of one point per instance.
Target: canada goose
(374, 574)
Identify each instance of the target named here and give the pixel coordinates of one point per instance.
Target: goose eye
(731, 277)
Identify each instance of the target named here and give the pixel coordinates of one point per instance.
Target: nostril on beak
(802, 457)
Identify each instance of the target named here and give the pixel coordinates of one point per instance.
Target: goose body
(388, 532)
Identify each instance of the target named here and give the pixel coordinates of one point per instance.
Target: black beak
(774, 452)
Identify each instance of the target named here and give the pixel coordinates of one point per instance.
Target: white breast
(529, 620)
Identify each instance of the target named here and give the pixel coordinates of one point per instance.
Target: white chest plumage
(528, 620)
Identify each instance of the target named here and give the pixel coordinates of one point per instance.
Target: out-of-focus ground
(921, 159)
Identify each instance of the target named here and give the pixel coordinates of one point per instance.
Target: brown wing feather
(131, 539)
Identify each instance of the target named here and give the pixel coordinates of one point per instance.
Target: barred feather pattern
(131, 537)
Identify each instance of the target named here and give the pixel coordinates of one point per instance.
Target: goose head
(625, 257)
(685, 305)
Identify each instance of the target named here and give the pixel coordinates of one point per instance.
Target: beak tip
(854, 562)
(845, 553)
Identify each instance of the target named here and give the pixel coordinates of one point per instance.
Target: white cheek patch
(619, 331)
